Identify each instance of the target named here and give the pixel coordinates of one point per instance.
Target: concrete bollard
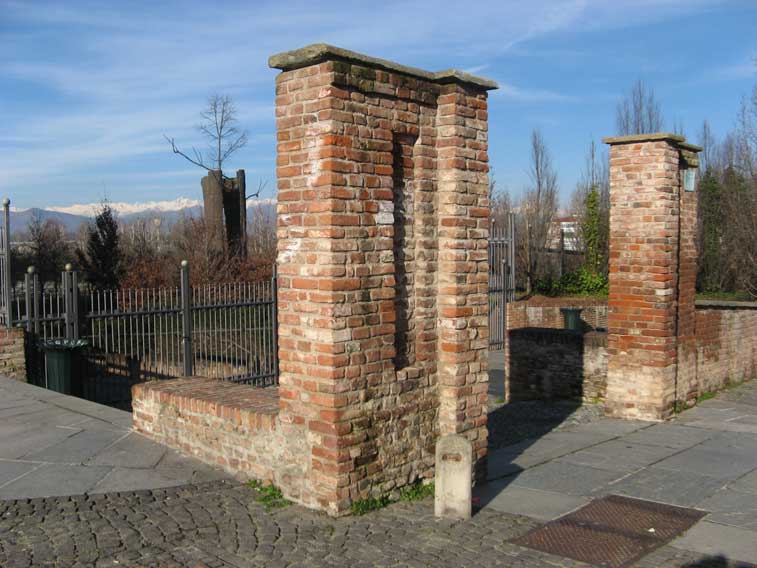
(453, 477)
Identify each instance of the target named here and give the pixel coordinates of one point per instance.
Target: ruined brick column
(382, 232)
(653, 216)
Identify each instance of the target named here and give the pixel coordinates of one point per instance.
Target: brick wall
(13, 354)
(556, 363)
(234, 427)
(545, 312)
(726, 344)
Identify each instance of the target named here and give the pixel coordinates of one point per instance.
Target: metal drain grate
(612, 532)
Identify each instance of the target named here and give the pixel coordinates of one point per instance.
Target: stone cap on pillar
(688, 151)
(320, 52)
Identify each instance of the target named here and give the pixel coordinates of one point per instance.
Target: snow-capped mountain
(72, 216)
(124, 208)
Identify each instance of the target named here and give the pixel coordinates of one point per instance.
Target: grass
(679, 406)
(415, 492)
(707, 395)
(501, 400)
(269, 496)
(364, 506)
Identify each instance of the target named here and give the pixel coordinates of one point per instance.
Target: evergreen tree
(710, 199)
(592, 231)
(101, 259)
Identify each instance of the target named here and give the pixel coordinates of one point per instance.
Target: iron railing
(225, 331)
(501, 279)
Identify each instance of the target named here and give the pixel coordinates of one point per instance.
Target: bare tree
(708, 144)
(538, 209)
(639, 112)
(261, 232)
(49, 250)
(219, 127)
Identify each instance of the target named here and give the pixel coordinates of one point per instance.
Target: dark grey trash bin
(63, 365)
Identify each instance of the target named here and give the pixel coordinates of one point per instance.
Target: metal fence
(5, 266)
(224, 331)
(501, 279)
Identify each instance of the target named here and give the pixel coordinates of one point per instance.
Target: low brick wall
(235, 427)
(545, 312)
(726, 339)
(556, 364)
(13, 354)
(544, 363)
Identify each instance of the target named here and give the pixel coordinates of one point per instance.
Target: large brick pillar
(382, 208)
(653, 216)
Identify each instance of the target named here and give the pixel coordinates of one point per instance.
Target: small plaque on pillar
(689, 179)
(453, 477)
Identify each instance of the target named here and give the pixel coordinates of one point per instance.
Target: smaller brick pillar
(653, 215)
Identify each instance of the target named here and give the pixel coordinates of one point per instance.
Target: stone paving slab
(729, 507)
(133, 450)
(746, 484)
(566, 478)
(681, 488)
(714, 539)
(77, 448)
(619, 455)
(670, 435)
(502, 496)
(722, 463)
(50, 480)
(56, 445)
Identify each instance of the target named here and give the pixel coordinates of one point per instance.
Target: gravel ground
(516, 421)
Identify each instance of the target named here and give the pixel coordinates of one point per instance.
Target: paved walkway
(55, 445)
(707, 458)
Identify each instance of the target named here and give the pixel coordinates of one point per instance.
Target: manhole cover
(612, 532)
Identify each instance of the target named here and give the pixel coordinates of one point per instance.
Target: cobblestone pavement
(220, 523)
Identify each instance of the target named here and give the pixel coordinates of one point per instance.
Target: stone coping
(319, 52)
(677, 139)
(211, 395)
(726, 304)
(559, 302)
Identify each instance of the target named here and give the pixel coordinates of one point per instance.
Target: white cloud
(109, 79)
(531, 95)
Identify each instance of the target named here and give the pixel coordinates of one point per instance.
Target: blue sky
(87, 90)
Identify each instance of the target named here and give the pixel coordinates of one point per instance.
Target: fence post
(275, 293)
(186, 310)
(75, 303)
(35, 299)
(511, 293)
(503, 303)
(7, 279)
(67, 301)
(28, 284)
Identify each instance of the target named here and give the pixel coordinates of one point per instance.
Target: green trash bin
(572, 318)
(63, 365)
